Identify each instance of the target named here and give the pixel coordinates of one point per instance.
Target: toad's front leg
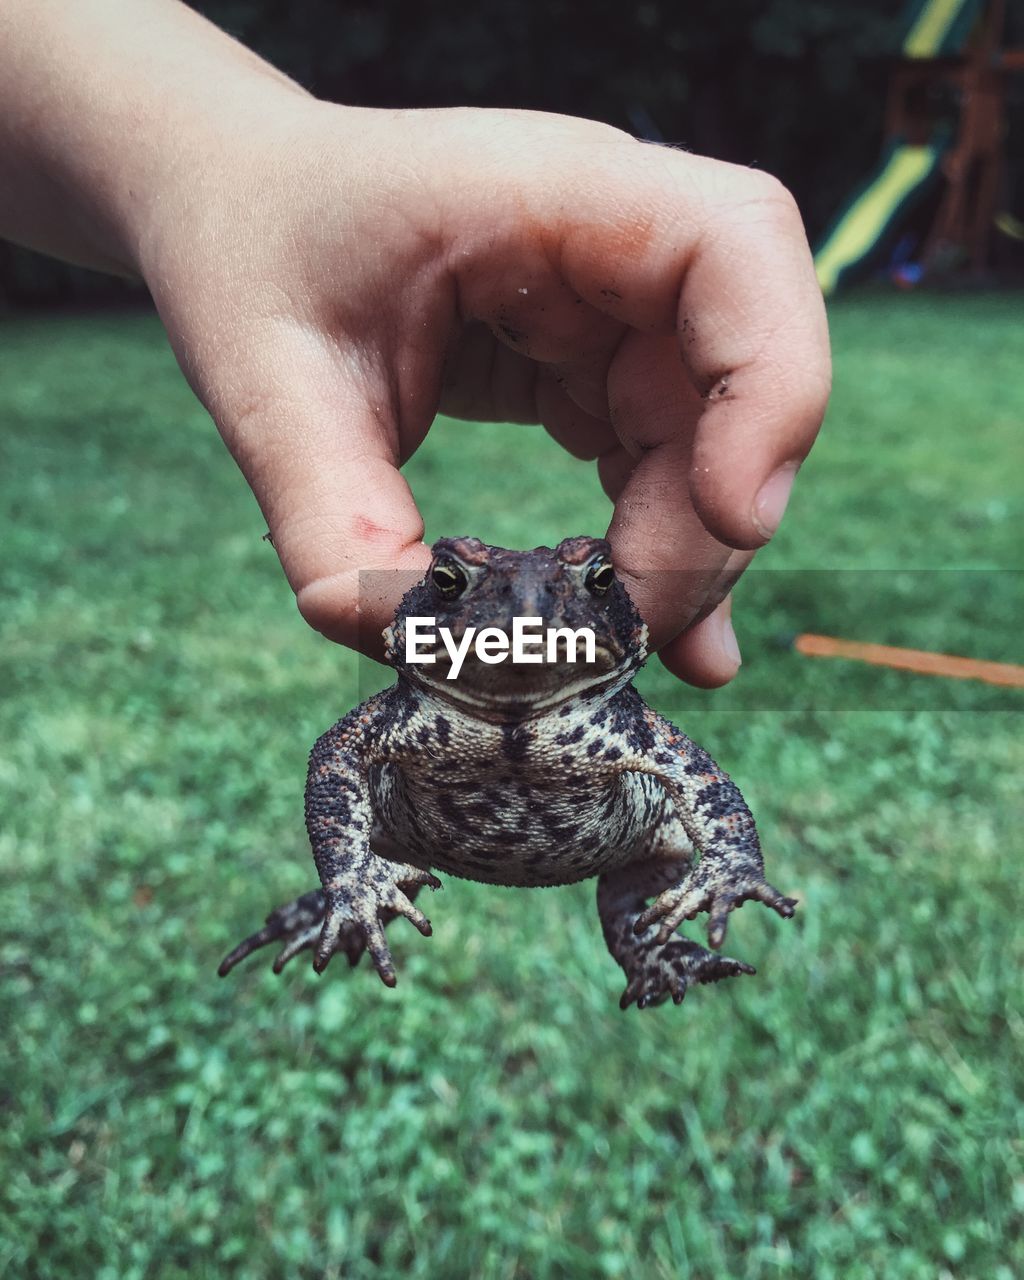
(360, 887)
(362, 890)
(718, 822)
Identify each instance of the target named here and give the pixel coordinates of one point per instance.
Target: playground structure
(944, 131)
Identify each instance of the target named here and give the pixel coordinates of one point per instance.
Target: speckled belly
(516, 832)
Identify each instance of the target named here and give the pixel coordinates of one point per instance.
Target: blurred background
(856, 1109)
(802, 89)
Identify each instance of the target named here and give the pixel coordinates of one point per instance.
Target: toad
(534, 773)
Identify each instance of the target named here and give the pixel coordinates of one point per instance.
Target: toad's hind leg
(297, 926)
(654, 970)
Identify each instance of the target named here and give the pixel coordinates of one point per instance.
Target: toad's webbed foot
(297, 924)
(364, 899)
(301, 923)
(656, 969)
(714, 887)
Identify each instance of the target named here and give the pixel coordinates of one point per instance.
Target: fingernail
(730, 645)
(770, 503)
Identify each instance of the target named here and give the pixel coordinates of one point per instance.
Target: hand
(331, 277)
(343, 274)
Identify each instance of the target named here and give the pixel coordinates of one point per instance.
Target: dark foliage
(793, 86)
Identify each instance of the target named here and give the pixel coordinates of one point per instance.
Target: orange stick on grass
(919, 660)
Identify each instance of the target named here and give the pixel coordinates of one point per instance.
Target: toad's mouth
(522, 690)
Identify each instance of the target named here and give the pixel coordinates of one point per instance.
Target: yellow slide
(939, 28)
(933, 29)
(904, 174)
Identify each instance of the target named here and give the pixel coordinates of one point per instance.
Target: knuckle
(766, 189)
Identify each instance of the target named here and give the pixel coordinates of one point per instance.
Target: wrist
(199, 178)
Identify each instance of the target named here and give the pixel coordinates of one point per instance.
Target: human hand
(331, 277)
(342, 275)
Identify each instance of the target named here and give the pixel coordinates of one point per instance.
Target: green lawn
(854, 1111)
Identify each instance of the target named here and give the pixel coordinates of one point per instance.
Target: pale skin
(332, 277)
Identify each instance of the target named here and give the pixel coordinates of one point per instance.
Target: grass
(853, 1111)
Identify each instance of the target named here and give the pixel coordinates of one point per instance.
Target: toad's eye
(600, 576)
(448, 578)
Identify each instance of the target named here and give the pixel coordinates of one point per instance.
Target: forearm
(105, 107)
